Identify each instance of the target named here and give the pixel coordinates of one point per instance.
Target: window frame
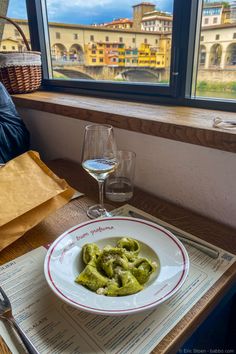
(36, 17)
(183, 61)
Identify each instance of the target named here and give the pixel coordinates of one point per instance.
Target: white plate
(63, 263)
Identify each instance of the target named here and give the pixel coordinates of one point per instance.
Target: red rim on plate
(80, 235)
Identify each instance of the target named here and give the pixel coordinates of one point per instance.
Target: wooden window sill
(185, 124)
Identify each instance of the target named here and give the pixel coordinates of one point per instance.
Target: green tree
(202, 86)
(225, 4)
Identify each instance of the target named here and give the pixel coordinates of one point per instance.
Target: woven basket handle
(19, 29)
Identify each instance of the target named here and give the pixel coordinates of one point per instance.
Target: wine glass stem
(101, 195)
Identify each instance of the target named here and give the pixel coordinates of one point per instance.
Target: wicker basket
(20, 72)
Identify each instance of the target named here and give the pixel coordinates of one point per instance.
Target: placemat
(55, 327)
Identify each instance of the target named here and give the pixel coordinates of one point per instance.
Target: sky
(85, 12)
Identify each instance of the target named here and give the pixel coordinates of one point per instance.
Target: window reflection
(216, 74)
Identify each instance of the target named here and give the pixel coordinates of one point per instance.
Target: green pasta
(90, 253)
(115, 271)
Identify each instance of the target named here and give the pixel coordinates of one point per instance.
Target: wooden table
(75, 212)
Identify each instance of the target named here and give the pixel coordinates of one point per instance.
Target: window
(76, 36)
(215, 20)
(116, 53)
(184, 61)
(58, 35)
(10, 38)
(216, 58)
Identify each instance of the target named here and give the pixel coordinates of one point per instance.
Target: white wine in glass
(99, 159)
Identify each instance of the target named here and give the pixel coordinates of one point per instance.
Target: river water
(146, 76)
(211, 94)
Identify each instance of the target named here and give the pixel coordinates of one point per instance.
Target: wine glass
(99, 159)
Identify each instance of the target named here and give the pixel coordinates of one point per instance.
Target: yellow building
(218, 13)
(12, 38)
(95, 46)
(144, 55)
(10, 44)
(226, 16)
(165, 51)
(155, 56)
(70, 35)
(121, 54)
(131, 57)
(95, 54)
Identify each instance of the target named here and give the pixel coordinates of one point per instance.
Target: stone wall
(217, 75)
(108, 72)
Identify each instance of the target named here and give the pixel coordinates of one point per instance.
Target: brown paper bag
(29, 191)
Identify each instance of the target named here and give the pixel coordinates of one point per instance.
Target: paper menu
(30, 192)
(55, 327)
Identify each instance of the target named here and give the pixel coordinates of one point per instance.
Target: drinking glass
(119, 184)
(99, 160)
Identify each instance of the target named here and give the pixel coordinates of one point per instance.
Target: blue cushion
(14, 137)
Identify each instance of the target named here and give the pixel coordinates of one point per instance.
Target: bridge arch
(74, 74)
(76, 53)
(230, 57)
(215, 55)
(58, 51)
(140, 75)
